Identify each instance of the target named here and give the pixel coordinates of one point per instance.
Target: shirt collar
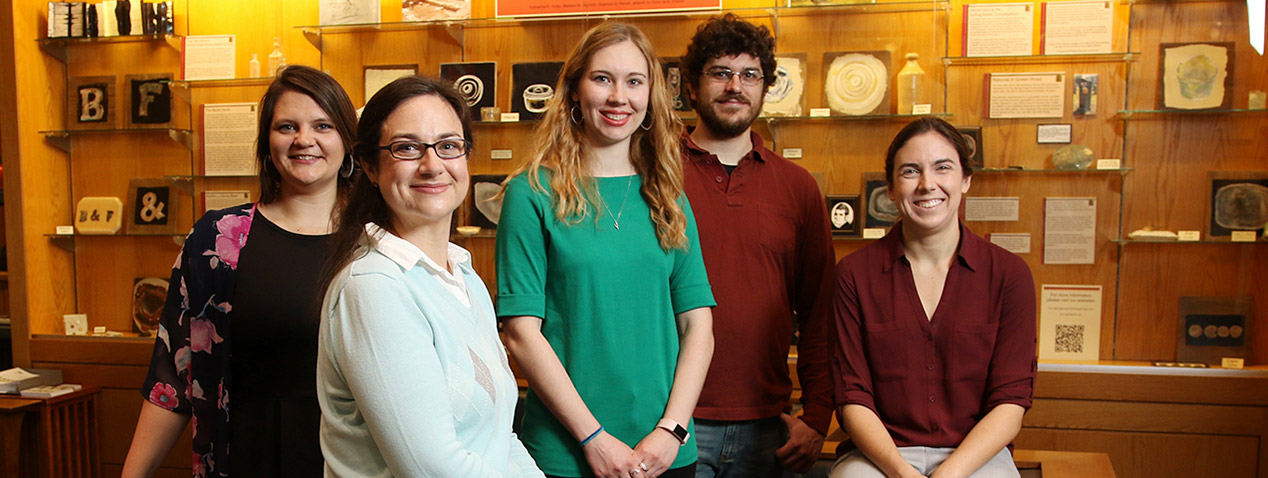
(971, 252)
(406, 254)
(759, 146)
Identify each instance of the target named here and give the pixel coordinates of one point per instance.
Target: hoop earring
(351, 166)
(647, 122)
(575, 115)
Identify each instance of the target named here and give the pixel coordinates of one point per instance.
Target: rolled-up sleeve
(1014, 363)
(521, 251)
(853, 379)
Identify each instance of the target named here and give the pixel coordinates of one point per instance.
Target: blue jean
(739, 448)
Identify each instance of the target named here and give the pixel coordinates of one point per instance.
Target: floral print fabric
(190, 368)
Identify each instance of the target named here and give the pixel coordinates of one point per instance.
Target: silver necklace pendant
(616, 218)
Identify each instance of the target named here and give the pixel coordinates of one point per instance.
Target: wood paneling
(1147, 455)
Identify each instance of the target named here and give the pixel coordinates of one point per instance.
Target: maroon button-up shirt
(768, 251)
(931, 381)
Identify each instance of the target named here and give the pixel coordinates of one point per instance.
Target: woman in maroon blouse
(935, 357)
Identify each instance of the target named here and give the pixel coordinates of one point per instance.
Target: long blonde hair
(560, 146)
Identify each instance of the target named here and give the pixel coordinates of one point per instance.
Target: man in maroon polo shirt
(768, 250)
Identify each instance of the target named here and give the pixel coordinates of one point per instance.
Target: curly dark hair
(726, 36)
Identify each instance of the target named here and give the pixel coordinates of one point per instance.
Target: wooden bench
(1062, 464)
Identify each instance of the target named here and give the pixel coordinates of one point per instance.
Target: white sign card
(999, 29)
(229, 131)
(213, 200)
(1026, 95)
(1072, 28)
(1014, 242)
(1069, 230)
(1069, 322)
(1061, 133)
(209, 57)
(991, 208)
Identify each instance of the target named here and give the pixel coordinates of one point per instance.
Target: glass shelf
(56, 47)
(222, 82)
(1128, 114)
(840, 117)
(190, 177)
(1123, 242)
(1126, 56)
(845, 7)
(1053, 171)
(61, 138)
(313, 33)
(109, 39)
(67, 241)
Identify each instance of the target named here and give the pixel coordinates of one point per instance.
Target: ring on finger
(642, 466)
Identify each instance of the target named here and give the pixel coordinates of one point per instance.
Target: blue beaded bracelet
(591, 437)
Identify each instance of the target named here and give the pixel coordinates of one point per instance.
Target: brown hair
(919, 127)
(365, 201)
(328, 95)
(560, 146)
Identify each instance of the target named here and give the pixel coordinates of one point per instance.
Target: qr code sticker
(1070, 339)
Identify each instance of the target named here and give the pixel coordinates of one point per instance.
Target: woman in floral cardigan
(264, 290)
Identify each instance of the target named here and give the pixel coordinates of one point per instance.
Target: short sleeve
(689, 283)
(521, 250)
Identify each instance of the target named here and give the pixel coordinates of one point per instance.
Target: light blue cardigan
(411, 382)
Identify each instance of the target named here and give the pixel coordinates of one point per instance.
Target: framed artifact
(485, 211)
(90, 102)
(430, 10)
(149, 100)
(378, 76)
(1085, 87)
(787, 96)
(533, 87)
(150, 205)
(476, 81)
(857, 83)
(347, 12)
(148, 297)
(843, 215)
(1212, 328)
(1238, 202)
(1195, 76)
(674, 78)
(881, 210)
(973, 137)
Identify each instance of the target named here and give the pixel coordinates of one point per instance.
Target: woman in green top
(601, 286)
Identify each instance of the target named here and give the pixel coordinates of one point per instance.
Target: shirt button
(929, 366)
(931, 399)
(717, 179)
(929, 337)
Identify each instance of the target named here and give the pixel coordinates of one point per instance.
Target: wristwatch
(671, 426)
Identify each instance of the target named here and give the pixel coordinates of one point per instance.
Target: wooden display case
(1161, 183)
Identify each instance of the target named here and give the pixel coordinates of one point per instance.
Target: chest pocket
(886, 352)
(777, 230)
(971, 350)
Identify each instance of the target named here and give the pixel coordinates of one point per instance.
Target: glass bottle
(254, 66)
(276, 60)
(911, 81)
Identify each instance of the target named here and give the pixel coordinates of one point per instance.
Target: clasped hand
(609, 457)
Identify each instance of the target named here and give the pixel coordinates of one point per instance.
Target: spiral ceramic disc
(856, 84)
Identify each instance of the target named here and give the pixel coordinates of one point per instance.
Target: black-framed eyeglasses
(407, 150)
(748, 77)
